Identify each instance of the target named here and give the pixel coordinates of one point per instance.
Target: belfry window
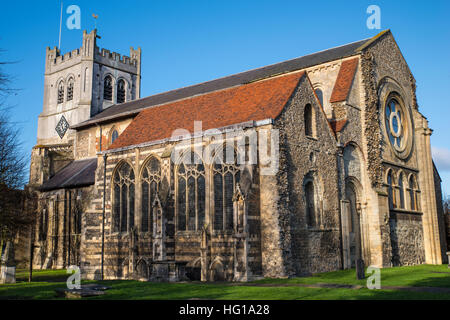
(70, 90)
(61, 92)
(107, 88)
(191, 193)
(226, 175)
(123, 197)
(121, 91)
(309, 120)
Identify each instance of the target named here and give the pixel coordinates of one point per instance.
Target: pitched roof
(132, 108)
(250, 102)
(78, 173)
(337, 125)
(344, 80)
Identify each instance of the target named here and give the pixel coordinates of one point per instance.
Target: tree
(13, 213)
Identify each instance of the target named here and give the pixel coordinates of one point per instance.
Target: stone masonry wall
(310, 249)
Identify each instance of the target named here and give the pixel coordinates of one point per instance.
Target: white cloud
(441, 157)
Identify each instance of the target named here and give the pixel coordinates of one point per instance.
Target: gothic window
(121, 91)
(309, 120)
(43, 225)
(151, 181)
(310, 204)
(123, 197)
(226, 175)
(60, 92)
(401, 191)
(391, 196)
(107, 88)
(70, 90)
(191, 193)
(319, 95)
(413, 193)
(114, 136)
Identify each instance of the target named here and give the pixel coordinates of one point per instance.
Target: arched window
(309, 120)
(151, 182)
(107, 88)
(121, 91)
(70, 90)
(60, 92)
(319, 95)
(310, 204)
(114, 136)
(191, 193)
(226, 175)
(43, 225)
(123, 211)
(401, 190)
(414, 193)
(391, 196)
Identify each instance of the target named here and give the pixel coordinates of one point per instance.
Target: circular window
(395, 124)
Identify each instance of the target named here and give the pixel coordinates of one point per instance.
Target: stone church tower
(77, 86)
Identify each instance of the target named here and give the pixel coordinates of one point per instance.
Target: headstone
(360, 269)
(8, 269)
(448, 255)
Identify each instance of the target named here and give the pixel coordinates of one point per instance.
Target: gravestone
(8, 269)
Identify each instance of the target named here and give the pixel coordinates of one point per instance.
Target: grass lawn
(46, 281)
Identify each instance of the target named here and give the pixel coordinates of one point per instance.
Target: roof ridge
(247, 76)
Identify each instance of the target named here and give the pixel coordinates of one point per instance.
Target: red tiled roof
(255, 101)
(344, 80)
(338, 125)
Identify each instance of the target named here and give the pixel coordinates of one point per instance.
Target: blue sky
(186, 42)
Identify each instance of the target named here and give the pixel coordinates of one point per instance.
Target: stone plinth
(172, 271)
(8, 274)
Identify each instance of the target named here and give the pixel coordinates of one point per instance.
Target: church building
(309, 165)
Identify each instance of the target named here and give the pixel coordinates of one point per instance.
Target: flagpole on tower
(60, 26)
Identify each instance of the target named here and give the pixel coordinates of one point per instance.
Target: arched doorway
(354, 227)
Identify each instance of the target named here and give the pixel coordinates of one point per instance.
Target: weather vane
(95, 16)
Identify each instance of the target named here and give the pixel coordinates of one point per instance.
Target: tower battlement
(90, 51)
(117, 57)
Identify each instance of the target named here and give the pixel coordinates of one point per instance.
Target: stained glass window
(123, 207)
(151, 181)
(191, 193)
(226, 176)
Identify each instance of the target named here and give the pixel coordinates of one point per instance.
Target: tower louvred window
(61, 92)
(121, 91)
(70, 90)
(107, 88)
